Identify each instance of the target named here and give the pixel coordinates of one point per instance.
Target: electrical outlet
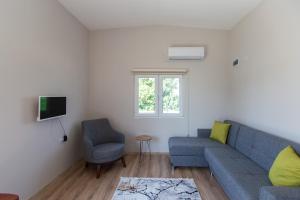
(235, 62)
(63, 139)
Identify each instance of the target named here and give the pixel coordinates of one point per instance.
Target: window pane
(170, 95)
(147, 97)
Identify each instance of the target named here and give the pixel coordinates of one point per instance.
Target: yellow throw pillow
(285, 170)
(219, 132)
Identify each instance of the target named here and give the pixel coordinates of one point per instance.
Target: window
(158, 95)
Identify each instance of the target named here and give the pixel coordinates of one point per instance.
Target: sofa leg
(123, 162)
(98, 171)
(173, 169)
(211, 174)
(86, 164)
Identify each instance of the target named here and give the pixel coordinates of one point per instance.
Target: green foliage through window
(147, 95)
(170, 95)
(166, 88)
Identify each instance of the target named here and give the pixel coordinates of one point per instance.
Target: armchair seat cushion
(107, 152)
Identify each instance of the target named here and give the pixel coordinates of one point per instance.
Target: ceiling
(211, 14)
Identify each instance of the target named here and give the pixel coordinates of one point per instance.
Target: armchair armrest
(204, 133)
(119, 137)
(279, 193)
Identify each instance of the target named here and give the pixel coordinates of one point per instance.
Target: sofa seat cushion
(232, 161)
(240, 177)
(190, 146)
(247, 186)
(228, 152)
(108, 152)
(279, 193)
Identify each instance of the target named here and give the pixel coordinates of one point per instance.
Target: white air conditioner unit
(186, 53)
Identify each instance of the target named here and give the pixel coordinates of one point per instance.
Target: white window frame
(158, 92)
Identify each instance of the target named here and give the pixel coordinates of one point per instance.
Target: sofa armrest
(204, 133)
(279, 193)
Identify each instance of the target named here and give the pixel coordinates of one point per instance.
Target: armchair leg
(86, 164)
(98, 171)
(123, 162)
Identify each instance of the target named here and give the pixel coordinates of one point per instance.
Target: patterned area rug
(156, 189)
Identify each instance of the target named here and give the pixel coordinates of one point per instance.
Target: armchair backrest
(98, 131)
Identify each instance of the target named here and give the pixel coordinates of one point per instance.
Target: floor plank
(80, 183)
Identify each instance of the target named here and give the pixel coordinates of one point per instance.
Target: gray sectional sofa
(241, 166)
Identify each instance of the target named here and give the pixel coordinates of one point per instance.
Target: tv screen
(51, 107)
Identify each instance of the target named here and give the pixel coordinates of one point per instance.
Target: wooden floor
(80, 183)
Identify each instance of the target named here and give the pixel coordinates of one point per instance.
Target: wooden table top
(9, 197)
(143, 137)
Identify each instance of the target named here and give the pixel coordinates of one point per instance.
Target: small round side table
(143, 138)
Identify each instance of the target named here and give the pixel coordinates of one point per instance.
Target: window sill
(159, 117)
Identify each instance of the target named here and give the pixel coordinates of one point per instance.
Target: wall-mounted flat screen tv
(51, 107)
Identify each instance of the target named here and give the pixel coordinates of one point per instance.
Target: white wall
(113, 53)
(265, 87)
(43, 51)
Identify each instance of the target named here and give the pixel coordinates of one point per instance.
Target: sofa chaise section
(189, 151)
(241, 166)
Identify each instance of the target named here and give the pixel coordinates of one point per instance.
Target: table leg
(140, 151)
(149, 148)
(143, 153)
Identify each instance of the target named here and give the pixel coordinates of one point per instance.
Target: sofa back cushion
(266, 148)
(259, 146)
(245, 140)
(233, 132)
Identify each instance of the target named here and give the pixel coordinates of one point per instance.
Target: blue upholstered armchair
(102, 144)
